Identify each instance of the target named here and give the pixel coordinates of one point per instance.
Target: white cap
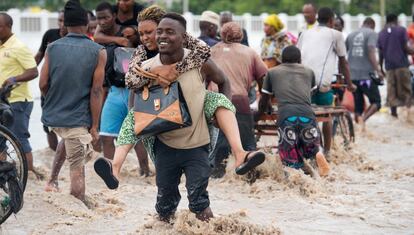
(210, 16)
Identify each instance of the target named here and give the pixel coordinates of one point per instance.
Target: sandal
(249, 163)
(103, 168)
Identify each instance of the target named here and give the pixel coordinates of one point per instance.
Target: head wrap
(231, 32)
(74, 14)
(274, 21)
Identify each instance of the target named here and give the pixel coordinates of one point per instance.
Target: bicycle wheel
(11, 151)
(343, 127)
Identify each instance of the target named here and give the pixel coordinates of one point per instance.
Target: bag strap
(326, 59)
(142, 72)
(145, 92)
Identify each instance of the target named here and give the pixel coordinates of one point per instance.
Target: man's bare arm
(27, 75)
(344, 69)
(44, 76)
(212, 73)
(96, 96)
(373, 60)
(39, 57)
(101, 38)
(381, 61)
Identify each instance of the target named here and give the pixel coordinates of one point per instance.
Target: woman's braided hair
(154, 13)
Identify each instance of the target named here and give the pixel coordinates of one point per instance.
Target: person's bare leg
(327, 135)
(29, 159)
(52, 140)
(394, 111)
(142, 159)
(360, 121)
(97, 146)
(108, 146)
(52, 184)
(77, 182)
(373, 108)
(227, 122)
(30, 167)
(120, 155)
(323, 166)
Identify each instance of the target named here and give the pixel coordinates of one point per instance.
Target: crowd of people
(89, 95)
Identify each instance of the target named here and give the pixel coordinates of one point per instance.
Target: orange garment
(410, 32)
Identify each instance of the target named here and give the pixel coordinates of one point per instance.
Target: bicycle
(342, 124)
(13, 163)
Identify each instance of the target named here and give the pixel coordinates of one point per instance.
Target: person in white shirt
(320, 47)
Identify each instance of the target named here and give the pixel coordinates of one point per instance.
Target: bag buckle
(157, 104)
(145, 93)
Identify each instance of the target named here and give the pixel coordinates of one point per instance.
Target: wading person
(395, 57)
(216, 106)
(183, 150)
(245, 67)
(291, 83)
(361, 47)
(274, 42)
(18, 67)
(73, 91)
(320, 47)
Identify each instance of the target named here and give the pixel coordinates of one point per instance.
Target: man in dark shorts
(361, 47)
(394, 50)
(291, 83)
(50, 36)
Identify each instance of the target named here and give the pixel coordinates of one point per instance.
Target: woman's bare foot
(240, 156)
(115, 170)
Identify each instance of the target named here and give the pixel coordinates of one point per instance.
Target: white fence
(31, 26)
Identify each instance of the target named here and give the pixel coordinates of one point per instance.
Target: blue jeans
(20, 126)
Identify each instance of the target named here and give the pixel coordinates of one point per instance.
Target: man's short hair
(177, 17)
(291, 54)
(8, 19)
(338, 17)
(369, 21)
(311, 5)
(105, 6)
(325, 14)
(392, 18)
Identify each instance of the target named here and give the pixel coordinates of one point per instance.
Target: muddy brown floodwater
(370, 191)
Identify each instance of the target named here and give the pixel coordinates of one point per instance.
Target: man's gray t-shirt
(291, 85)
(357, 44)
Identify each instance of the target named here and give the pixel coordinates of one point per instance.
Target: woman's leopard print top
(200, 52)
